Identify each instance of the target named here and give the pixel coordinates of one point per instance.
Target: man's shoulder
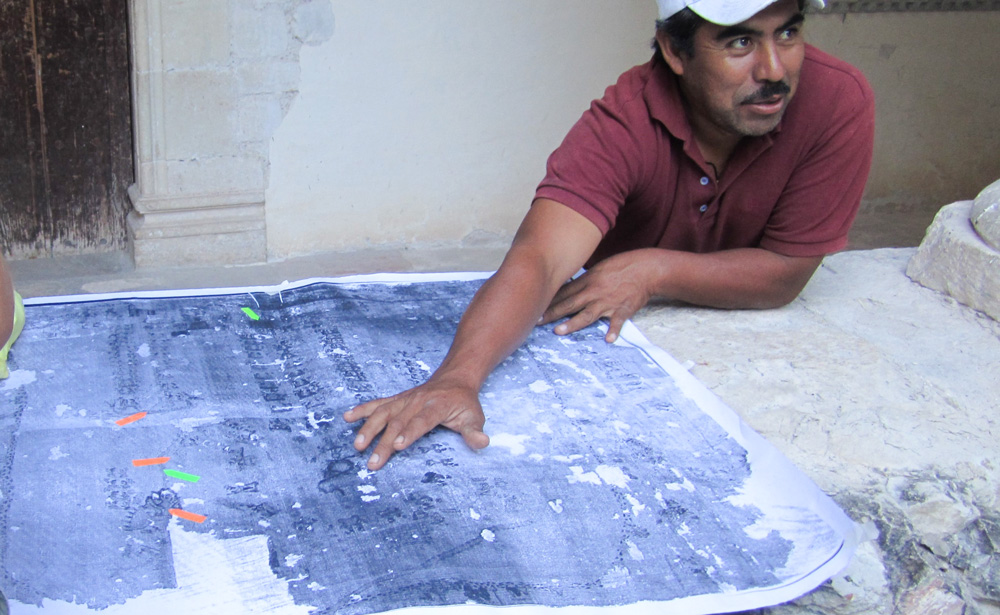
(630, 86)
(825, 75)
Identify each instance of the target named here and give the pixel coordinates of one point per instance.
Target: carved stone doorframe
(198, 196)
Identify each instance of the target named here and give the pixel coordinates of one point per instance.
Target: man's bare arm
(617, 287)
(551, 245)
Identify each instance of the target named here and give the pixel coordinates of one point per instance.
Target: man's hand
(615, 288)
(406, 417)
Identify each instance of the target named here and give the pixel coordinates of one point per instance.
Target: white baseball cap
(722, 12)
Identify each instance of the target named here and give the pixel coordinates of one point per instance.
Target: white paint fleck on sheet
(61, 409)
(556, 359)
(567, 458)
(143, 351)
(637, 506)
(539, 386)
(291, 559)
(513, 443)
(488, 536)
(579, 476)
(370, 498)
(315, 422)
(317, 587)
(474, 514)
(18, 378)
(556, 506)
(296, 505)
(634, 552)
(684, 484)
(616, 577)
(543, 428)
(367, 488)
(621, 427)
(363, 474)
(613, 476)
(424, 366)
(55, 453)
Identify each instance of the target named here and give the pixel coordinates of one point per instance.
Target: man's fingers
(367, 409)
(475, 438)
(581, 320)
(615, 325)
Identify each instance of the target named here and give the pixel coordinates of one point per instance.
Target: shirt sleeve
(598, 163)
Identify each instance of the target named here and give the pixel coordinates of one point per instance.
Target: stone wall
(212, 80)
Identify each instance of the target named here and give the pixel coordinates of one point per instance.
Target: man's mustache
(767, 92)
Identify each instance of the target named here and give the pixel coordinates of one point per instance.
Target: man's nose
(770, 66)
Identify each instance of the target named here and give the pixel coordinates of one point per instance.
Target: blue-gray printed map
(604, 484)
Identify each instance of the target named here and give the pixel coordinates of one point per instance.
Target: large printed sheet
(184, 452)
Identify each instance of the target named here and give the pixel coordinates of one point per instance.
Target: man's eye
(740, 43)
(789, 34)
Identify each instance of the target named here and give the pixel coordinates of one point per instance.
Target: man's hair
(680, 29)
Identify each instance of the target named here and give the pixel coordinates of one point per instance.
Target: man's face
(740, 79)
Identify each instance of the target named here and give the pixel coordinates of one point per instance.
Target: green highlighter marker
(252, 314)
(191, 478)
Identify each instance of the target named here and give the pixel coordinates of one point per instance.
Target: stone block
(955, 260)
(267, 76)
(199, 113)
(199, 33)
(259, 33)
(985, 215)
(226, 229)
(243, 171)
(259, 116)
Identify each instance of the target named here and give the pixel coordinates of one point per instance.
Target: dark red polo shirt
(631, 167)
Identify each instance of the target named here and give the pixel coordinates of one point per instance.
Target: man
(718, 174)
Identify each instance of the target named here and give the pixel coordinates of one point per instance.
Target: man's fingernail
(373, 460)
(399, 440)
(612, 338)
(561, 329)
(359, 441)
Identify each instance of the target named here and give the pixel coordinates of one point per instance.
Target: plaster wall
(431, 122)
(936, 77)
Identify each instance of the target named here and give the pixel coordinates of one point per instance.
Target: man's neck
(716, 152)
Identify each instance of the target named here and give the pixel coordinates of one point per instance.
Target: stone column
(200, 177)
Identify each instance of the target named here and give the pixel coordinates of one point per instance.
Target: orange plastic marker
(130, 419)
(152, 461)
(183, 514)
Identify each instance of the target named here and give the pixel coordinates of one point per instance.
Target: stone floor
(887, 394)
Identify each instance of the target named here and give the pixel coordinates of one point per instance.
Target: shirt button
(705, 181)
(703, 208)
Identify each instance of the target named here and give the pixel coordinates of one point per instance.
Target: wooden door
(65, 126)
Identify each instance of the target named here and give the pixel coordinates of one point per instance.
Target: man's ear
(673, 57)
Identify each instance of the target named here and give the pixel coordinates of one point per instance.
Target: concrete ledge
(954, 259)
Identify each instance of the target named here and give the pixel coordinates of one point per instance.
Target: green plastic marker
(191, 478)
(252, 314)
